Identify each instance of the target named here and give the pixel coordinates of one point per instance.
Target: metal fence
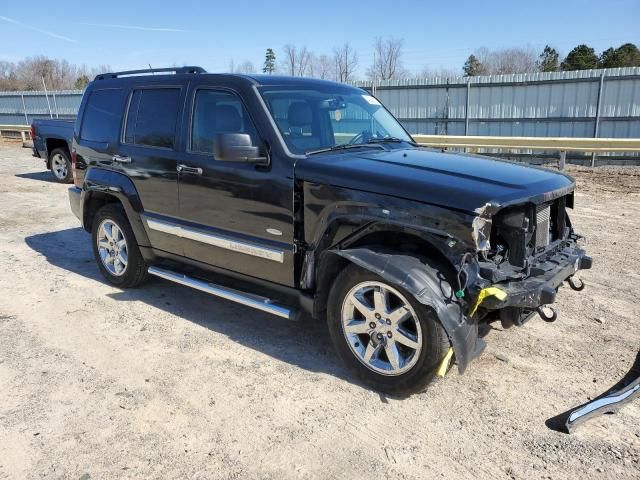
(20, 108)
(587, 103)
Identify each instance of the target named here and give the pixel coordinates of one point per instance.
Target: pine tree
(473, 67)
(81, 82)
(549, 60)
(582, 57)
(626, 55)
(269, 62)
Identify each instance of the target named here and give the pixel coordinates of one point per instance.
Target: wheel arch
(424, 279)
(416, 261)
(102, 187)
(53, 143)
(382, 237)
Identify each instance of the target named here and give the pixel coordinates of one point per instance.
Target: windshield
(311, 119)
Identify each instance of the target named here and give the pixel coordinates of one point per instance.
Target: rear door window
(102, 115)
(152, 117)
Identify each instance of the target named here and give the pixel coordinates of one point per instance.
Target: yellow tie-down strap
(444, 365)
(485, 293)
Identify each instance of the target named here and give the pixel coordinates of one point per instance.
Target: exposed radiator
(543, 219)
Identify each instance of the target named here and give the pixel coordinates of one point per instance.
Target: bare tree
(387, 60)
(304, 61)
(428, 72)
(345, 59)
(28, 74)
(324, 67)
(297, 60)
(57, 74)
(8, 77)
(246, 67)
(508, 60)
(290, 53)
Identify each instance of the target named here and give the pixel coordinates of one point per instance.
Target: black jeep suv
(295, 196)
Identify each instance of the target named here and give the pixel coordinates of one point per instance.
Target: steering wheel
(362, 137)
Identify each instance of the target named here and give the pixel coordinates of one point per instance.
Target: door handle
(190, 170)
(119, 159)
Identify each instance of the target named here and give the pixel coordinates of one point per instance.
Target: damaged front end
(525, 252)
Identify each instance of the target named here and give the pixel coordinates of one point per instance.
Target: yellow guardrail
(23, 130)
(560, 144)
(474, 143)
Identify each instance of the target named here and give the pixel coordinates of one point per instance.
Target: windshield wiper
(390, 140)
(346, 146)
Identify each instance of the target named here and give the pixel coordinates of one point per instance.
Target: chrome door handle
(190, 170)
(119, 159)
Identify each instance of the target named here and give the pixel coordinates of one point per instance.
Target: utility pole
(47, 97)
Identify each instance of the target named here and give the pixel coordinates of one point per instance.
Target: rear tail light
(33, 132)
(74, 162)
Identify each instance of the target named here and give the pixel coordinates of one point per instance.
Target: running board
(250, 300)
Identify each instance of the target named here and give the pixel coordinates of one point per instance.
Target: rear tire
(115, 248)
(60, 165)
(398, 357)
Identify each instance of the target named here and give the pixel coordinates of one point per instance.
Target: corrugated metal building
(534, 104)
(20, 108)
(554, 104)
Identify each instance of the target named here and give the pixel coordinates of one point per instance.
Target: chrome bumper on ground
(609, 402)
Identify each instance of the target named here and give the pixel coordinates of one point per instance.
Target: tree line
(525, 60)
(388, 53)
(35, 73)
(341, 64)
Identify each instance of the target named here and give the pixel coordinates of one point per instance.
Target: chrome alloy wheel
(381, 328)
(59, 166)
(112, 247)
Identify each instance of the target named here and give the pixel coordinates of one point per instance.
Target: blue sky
(131, 34)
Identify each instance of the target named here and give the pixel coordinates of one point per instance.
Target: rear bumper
(39, 153)
(38, 148)
(75, 201)
(547, 275)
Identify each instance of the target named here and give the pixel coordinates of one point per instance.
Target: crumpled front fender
(428, 285)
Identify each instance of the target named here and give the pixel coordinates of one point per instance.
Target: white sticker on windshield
(370, 100)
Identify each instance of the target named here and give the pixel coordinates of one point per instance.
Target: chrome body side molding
(248, 248)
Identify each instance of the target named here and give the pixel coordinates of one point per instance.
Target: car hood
(460, 181)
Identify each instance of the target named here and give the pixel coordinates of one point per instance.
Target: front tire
(60, 165)
(385, 337)
(115, 248)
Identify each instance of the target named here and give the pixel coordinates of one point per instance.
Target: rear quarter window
(103, 115)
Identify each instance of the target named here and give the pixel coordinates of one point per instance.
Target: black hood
(459, 181)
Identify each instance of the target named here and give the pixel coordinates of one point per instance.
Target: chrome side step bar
(250, 300)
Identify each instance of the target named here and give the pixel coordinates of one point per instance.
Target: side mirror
(237, 147)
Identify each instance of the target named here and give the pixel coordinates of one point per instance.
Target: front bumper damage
(546, 276)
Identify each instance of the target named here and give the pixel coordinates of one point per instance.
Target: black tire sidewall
(69, 177)
(435, 340)
(132, 274)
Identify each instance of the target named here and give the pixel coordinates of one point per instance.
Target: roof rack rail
(176, 70)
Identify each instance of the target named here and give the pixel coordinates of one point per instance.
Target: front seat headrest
(299, 114)
(228, 119)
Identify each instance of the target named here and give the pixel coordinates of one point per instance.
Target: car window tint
(218, 112)
(101, 121)
(152, 117)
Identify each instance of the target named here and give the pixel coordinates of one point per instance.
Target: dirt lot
(165, 382)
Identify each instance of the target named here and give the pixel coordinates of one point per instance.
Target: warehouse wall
(558, 104)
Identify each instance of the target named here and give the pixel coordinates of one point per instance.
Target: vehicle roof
(247, 79)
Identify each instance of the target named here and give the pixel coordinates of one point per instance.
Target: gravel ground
(165, 382)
